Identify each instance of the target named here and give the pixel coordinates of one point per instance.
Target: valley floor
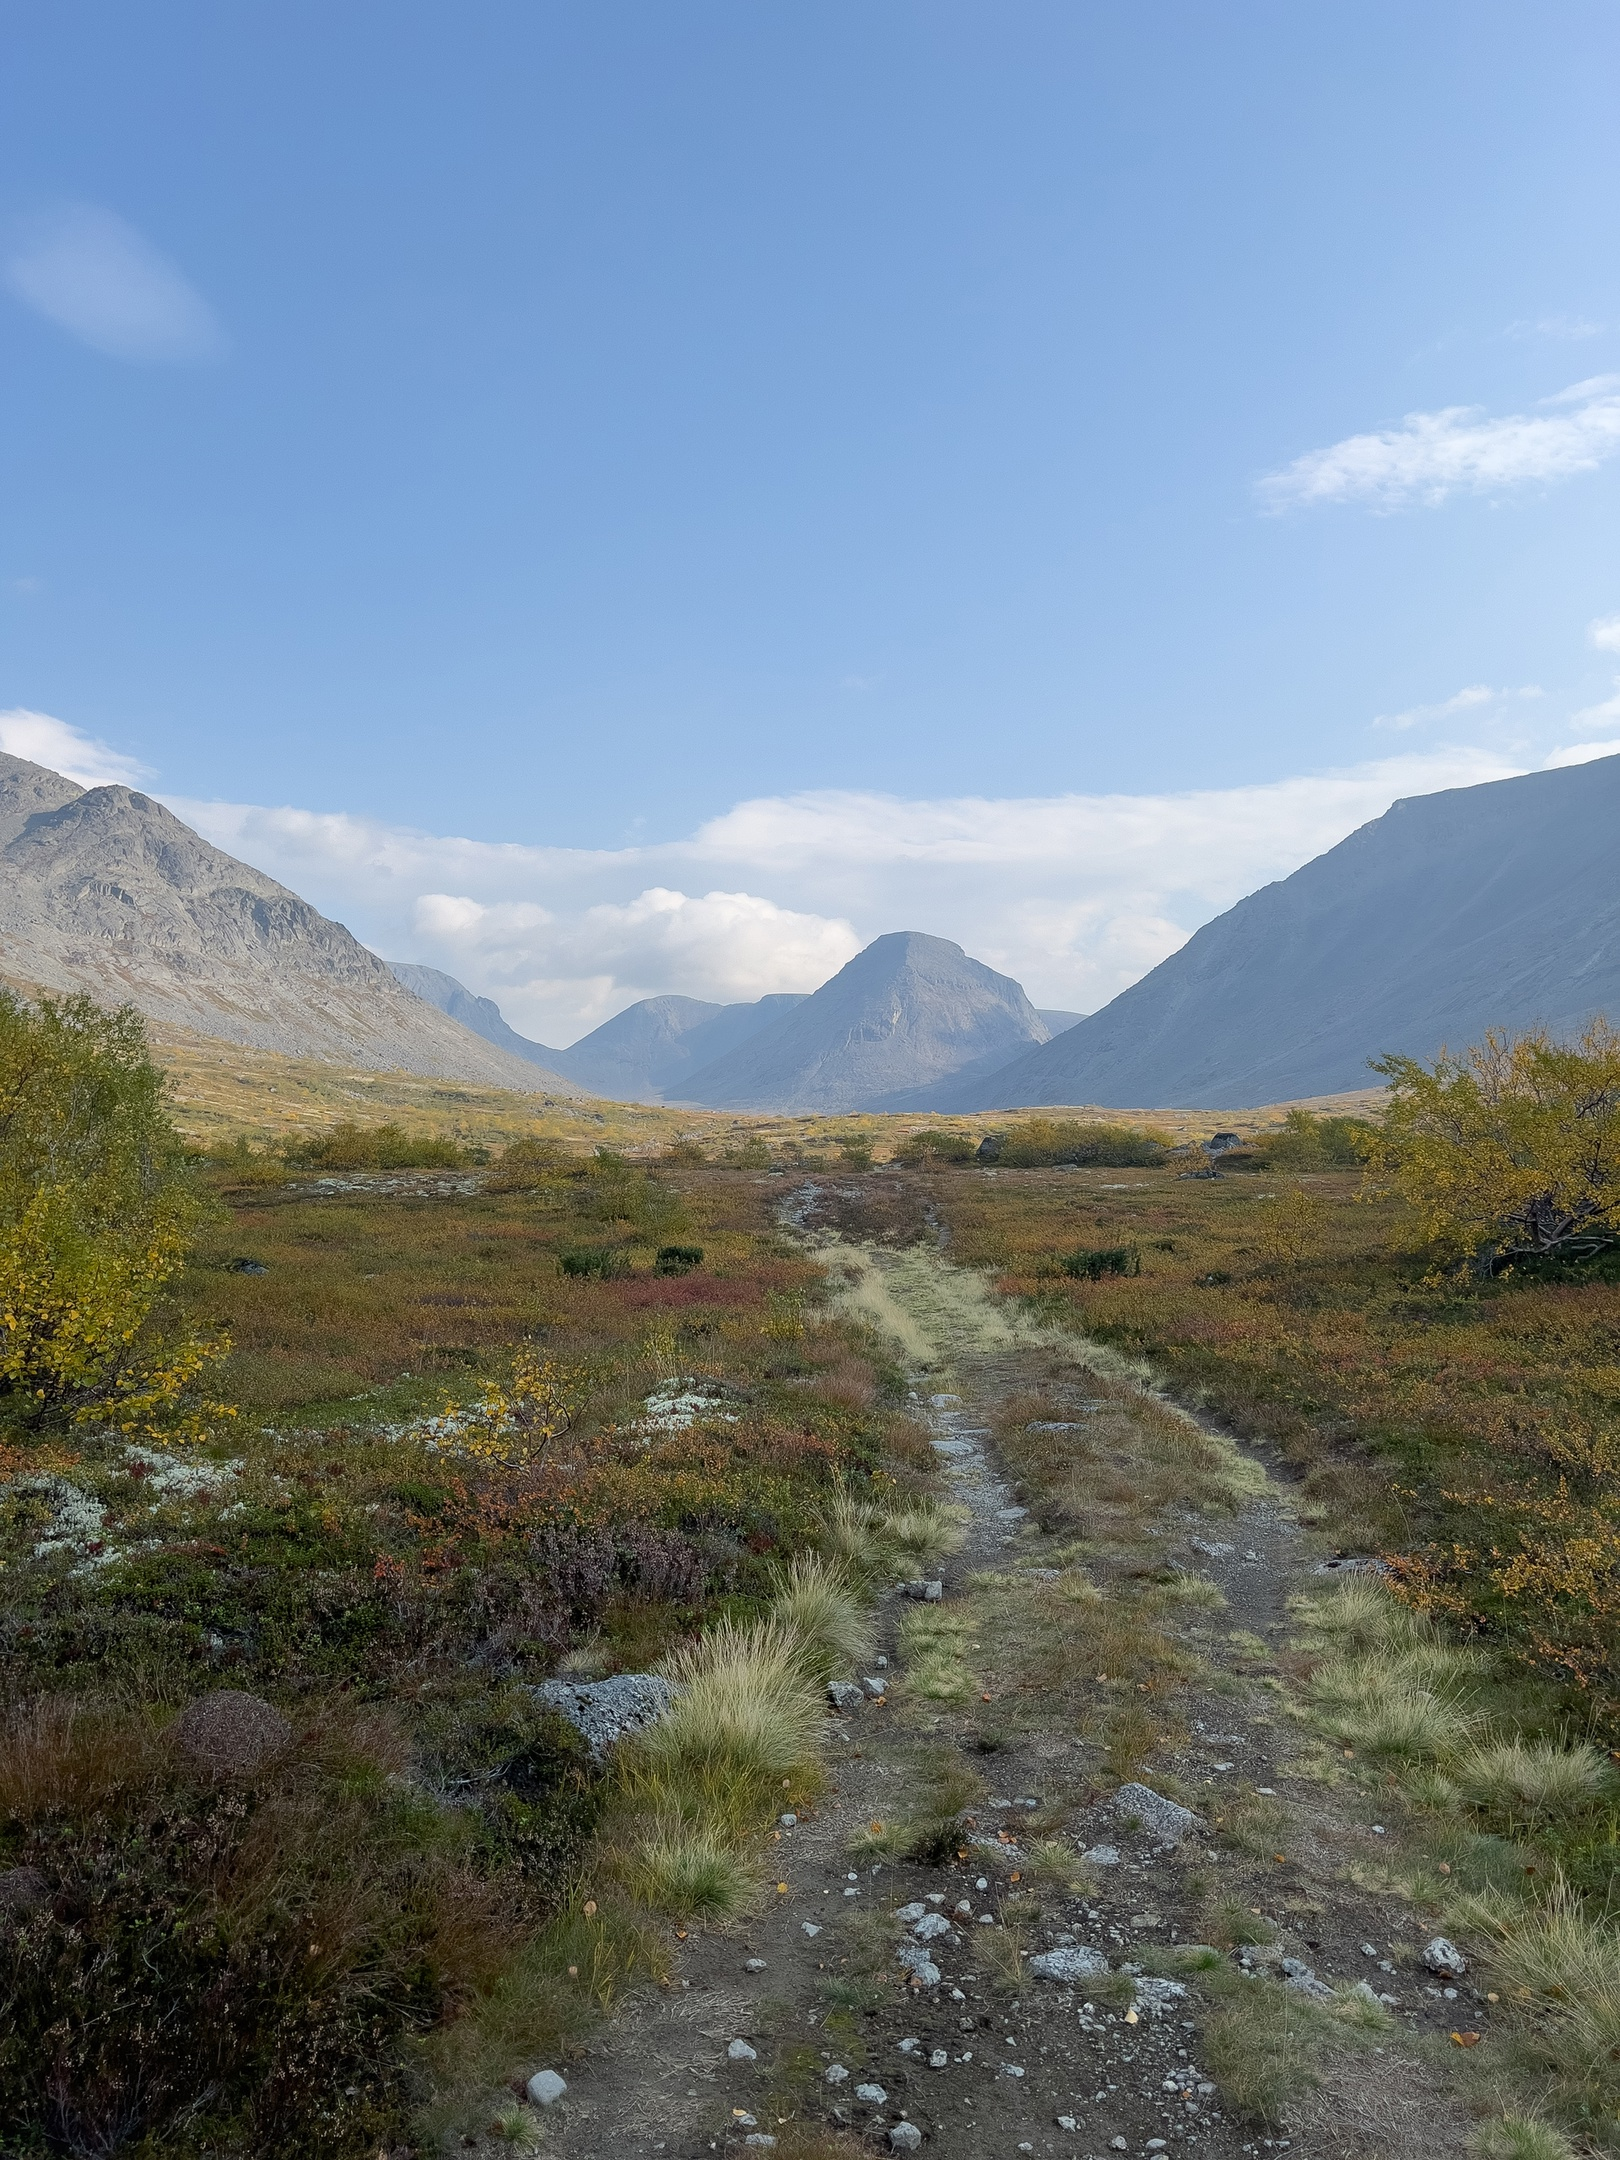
(1154, 1647)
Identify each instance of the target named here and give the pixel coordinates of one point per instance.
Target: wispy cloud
(47, 741)
(1605, 633)
(1567, 327)
(94, 275)
(1460, 449)
(1468, 700)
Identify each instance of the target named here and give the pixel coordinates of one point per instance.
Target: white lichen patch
(678, 1405)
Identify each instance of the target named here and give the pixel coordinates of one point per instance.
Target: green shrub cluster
(935, 1146)
(1044, 1143)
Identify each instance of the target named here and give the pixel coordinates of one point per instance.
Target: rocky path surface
(1037, 1983)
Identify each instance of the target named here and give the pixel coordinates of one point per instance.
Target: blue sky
(547, 428)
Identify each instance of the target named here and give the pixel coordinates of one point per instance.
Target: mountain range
(1480, 907)
(1495, 906)
(102, 889)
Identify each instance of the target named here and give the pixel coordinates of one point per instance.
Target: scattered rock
(918, 1963)
(928, 1593)
(227, 1734)
(837, 2074)
(917, 1910)
(1064, 1965)
(1302, 1977)
(1443, 1957)
(810, 1927)
(1011, 1514)
(876, 1688)
(740, 2051)
(938, 2059)
(931, 1926)
(1102, 1855)
(905, 2137)
(1156, 1996)
(787, 1821)
(845, 1694)
(762, 2139)
(546, 2088)
(1212, 1548)
(604, 1711)
(1068, 2122)
(874, 2095)
(23, 1890)
(1166, 1820)
(754, 1965)
(1009, 2069)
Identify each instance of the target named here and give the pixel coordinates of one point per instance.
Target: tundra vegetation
(315, 1458)
(380, 1879)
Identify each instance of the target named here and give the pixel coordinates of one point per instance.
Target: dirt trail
(988, 2059)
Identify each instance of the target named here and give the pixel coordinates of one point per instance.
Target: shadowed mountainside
(1484, 907)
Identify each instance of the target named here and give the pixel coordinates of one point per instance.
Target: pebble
(787, 1821)
(905, 2137)
(938, 2059)
(875, 1687)
(845, 1694)
(916, 1910)
(873, 2094)
(740, 2051)
(926, 1592)
(837, 2074)
(1102, 1855)
(1442, 1956)
(1068, 2122)
(754, 1965)
(931, 1926)
(546, 2087)
(810, 1927)
(1009, 2070)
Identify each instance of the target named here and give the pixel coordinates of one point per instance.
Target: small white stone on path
(740, 2051)
(546, 2087)
(916, 1910)
(873, 2094)
(1009, 2070)
(837, 2074)
(931, 1926)
(754, 1965)
(787, 1821)
(1441, 1955)
(938, 2059)
(1068, 2122)
(1102, 1855)
(905, 2137)
(810, 1927)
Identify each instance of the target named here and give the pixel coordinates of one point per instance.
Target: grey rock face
(104, 890)
(1067, 1965)
(905, 2137)
(604, 1711)
(908, 1011)
(1166, 1820)
(1441, 919)
(1443, 1957)
(481, 1014)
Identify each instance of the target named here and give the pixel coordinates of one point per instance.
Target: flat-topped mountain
(1483, 907)
(908, 1011)
(102, 889)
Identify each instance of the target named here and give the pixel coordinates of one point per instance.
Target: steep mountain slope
(102, 889)
(645, 1053)
(904, 1013)
(1481, 907)
(481, 1014)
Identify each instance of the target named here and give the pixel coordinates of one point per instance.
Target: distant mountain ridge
(906, 1012)
(104, 890)
(1478, 907)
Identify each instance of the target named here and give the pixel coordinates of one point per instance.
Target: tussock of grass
(925, 1532)
(932, 1642)
(1260, 2045)
(818, 1607)
(1521, 2137)
(1366, 1704)
(1535, 1781)
(690, 1874)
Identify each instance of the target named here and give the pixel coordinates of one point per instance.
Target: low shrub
(1044, 1143)
(604, 1263)
(348, 1146)
(1092, 1263)
(934, 1146)
(677, 1259)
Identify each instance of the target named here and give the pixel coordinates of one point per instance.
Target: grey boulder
(1166, 1820)
(1069, 1964)
(605, 1711)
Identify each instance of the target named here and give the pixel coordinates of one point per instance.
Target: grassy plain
(1471, 1429)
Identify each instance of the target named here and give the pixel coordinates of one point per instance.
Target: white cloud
(1553, 326)
(1075, 895)
(1584, 753)
(1433, 455)
(45, 741)
(89, 272)
(1605, 633)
